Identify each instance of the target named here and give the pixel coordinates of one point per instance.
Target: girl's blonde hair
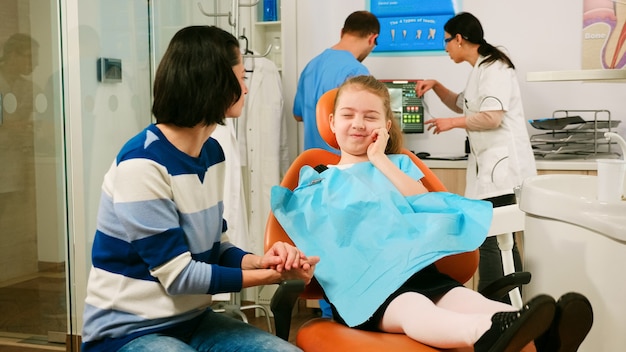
(378, 88)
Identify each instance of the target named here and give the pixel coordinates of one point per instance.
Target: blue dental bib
(370, 237)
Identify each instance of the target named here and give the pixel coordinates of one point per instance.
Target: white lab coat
(256, 153)
(235, 210)
(263, 143)
(501, 158)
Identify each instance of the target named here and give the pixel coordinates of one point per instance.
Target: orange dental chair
(325, 335)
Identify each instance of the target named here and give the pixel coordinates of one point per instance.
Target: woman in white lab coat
(501, 155)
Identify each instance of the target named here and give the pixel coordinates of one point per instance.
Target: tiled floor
(33, 309)
(35, 306)
(301, 315)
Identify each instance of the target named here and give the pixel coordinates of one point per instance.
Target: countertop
(542, 164)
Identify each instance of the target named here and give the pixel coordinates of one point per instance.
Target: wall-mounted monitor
(406, 105)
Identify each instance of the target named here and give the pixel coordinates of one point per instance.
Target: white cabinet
(268, 36)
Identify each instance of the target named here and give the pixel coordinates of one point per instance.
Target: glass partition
(60, 128)
(33, 299)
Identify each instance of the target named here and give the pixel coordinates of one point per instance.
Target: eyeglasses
(448, 40)
(376, 41)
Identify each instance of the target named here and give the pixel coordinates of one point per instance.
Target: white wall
(539, 36)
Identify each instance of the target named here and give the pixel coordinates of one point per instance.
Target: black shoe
(511, 331)
(572, 321)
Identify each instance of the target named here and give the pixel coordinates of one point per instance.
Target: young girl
(378, 233)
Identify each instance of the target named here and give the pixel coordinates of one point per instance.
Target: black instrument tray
(555, 123)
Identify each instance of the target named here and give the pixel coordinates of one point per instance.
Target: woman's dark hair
(469, 27)
(195, 82)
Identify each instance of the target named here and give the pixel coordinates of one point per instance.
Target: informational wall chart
(412, 25)
(604, 34)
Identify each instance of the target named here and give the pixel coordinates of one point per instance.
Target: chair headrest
(325, 107)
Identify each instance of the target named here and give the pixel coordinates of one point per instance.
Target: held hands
(290, 262)
(283, 256)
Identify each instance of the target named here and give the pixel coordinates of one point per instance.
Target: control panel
(406, 105)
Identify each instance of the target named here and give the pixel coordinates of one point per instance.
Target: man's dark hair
(361, 24)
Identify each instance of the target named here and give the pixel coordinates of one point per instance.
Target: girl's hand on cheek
(380, 136)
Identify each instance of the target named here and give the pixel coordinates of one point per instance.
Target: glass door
(33, 308)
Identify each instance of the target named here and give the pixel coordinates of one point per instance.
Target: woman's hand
(423, 86)
(439, 125)
(380, 137)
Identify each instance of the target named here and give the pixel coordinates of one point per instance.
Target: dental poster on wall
(604, 34)
(412, 25)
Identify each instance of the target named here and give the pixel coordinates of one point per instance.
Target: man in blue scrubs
(331, 68)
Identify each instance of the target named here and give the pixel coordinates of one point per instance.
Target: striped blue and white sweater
(160, 248)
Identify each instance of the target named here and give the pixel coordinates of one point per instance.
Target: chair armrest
(499, 288)
(282, 304)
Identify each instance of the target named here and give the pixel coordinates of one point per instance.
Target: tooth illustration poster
(604, 34)
(412, 25)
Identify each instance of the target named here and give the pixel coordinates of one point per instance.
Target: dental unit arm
(620, 141)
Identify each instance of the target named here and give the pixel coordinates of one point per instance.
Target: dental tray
(574, 133)
(557, 123)
(568, 137)
(559, 149)
(590, 125)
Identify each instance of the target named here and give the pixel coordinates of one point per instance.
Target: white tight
(457, 319)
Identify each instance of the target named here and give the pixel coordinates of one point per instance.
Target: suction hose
(616, 137)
